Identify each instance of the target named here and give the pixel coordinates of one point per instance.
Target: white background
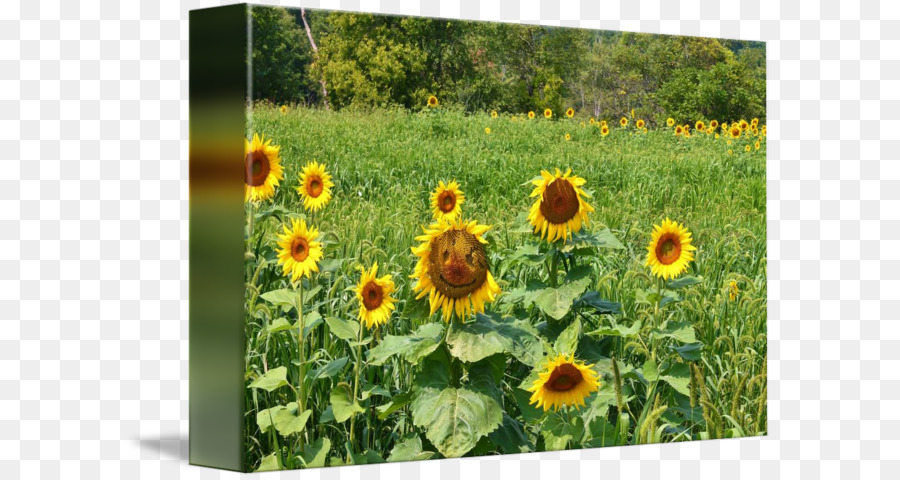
(94, 241)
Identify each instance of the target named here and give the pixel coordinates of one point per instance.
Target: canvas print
(470, 238)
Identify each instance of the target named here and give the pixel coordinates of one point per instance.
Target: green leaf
(600, 239)
(568, 339)
(689, 352)
(408, 450)
(279, 325)
(269, 463)
(369, 457)
(456, 418)
(556, 302)
(274, 378)
(650, 370)
(491, 334)
(619, 330)
(559, 431)
(331, 369)
(373, 391)
(579, 272)
(681, 331)
(343, 404)
(603, 434)
(395, 403)
(597, 405)
(530, 413)
(679, 377)
(286, 297)
(592, 299)
(311, 320)
(285, 419)
(412, 348)
(510, 437)
(315, 454)
(343, 329)
(685, 281)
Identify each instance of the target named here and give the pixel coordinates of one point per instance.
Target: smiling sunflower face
(559, 209)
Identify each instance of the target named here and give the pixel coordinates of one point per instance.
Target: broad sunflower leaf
(558, 431)
(592, 299)
(412, 348)
(410, 449)
(510, 437)
(679, 377)
(343, 405)
(285, 297)
(269, 463)
(285, 418)
(684, 281)
(491, 334)
(368, 457)
(568, 339)
(599, 239)
(329, 370)
(315, 454)
(598, 403)
(456, 418)
(279, 325)
(556, 302)
(343, 329)
(650, 370)
(395, 403)
(274, 378)
(618, 330)
(603, 434)
(689, 352)
(681, 331)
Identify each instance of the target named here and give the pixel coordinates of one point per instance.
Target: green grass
(385, 164)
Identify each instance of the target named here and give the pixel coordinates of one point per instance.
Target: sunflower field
(436, 283)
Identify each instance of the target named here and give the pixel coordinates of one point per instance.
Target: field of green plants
(676, 360)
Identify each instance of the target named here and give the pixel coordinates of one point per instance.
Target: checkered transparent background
(94, 229)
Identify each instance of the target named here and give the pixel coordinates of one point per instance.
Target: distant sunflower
(493, 114)
(746, 148)
(717, 136)
(559, 209)
(604, 130)
(744, 125)
(670, 121)
(754, 122)
(530, 115)
(570, 112)
(623, 121)
(487, 130)
(592, 121)
(730, 151)
(700, 126)
(679, 130)
(670, 250)
(763, 131)
(714, 124)
(284, 109)
(374, 295)
(735, 131)
(710, 130)
(639, 124)
(300, 252)
(548, 113)
(563, 381)
(756, 144)
(446, 200)
(432, 101)
(568, 137)
(262, 168)
(732, 290)
(452, 269)
(315, 186)
(602, 123)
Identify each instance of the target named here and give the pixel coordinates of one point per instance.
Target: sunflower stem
(301, 391)
(554, 268)
(356, 385)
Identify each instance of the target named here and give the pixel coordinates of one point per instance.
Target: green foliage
(281, 58)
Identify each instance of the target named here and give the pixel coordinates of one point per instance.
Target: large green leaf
(343, 404)
(650, 370)
(343, 329)
(490, 334)
(558, 430)
(368, 457)
(599, 239)
(395, 403)
(274, 378)
(597, 405)
(679, 377)
(592, 299)
(269, 463)
(279, 325)
(689, 352)
(315, 454)
(456, 418)
(681, 331)
(286, 297)
(510, 437)
(331, 369)
(409, 449)
(556, 302)
(568, 339)
(684, 281)
(602, 433)
(285, 418)
(412, 348)
(618, 330)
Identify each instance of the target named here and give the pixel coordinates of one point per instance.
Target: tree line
(365, 61)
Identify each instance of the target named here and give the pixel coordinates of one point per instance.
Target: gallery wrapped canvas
(417, 238)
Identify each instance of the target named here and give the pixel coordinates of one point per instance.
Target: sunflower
(763, 130)
(487, 130)
(714, 124)
(710, 130)
(744, 125)
(493, 114)
(623, 121)
(315, 186)
(754, 122)
(730, 151)
(679, 130)
(592, 121)
(263, 169)
(735, 131)
(531, 115)
(670, 121)
(559, 209)
(639, 124)
(746, 148)
(548, 113)
(570, 112)
(568, 137)
(602, 123)
(284, 109)
(604, 130)
(700, 126)
(732, 290)
(564, 381)
(432, 101)
(717, 136)
(756, 144)
(374, 295)
(453, 268)
(300, 252)
(669, 250)
(446, 200)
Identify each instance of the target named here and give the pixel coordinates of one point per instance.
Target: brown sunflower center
(564, 378)
(559, 202)
(300, 249)
(447, 201)
(372, 295)
(314, 187)
(457, 263)
(257, 168)
(668, 249)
